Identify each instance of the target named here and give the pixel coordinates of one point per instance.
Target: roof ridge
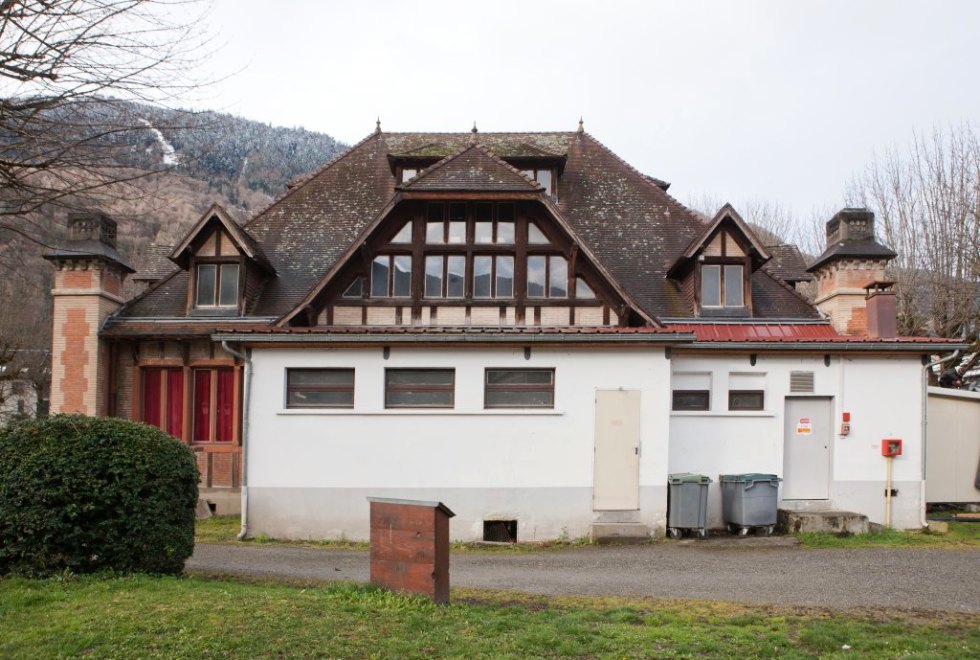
(482, 148)
(309, 177)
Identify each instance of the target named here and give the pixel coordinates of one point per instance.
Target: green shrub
(84, 494)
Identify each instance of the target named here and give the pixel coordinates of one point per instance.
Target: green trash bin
(749, 501)
(687, 504)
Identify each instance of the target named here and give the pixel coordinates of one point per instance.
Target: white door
(806, 458)
(616, 482)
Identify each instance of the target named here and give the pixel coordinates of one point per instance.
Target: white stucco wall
(883, 395)
(309, 471)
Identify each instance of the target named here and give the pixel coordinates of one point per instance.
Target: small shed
(953, 449)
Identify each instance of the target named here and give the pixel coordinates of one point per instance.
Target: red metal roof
(787, 332)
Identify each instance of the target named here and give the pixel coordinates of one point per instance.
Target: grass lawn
(105, 616)
(961, 535)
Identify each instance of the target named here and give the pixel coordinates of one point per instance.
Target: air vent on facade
(801, 381)
(500, 531)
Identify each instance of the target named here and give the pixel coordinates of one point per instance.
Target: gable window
(519, 388)
(319, 388)
(445, 276)
(487, 230)
(217, 285)
(493, 276)
(722, 285)
(543, 176)
(391, 276)
(547, 276)
(213, 405)
(409, 173)
(420, 388)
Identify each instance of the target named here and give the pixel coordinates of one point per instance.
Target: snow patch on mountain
(169, 153)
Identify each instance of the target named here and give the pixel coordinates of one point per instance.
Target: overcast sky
(776, 100)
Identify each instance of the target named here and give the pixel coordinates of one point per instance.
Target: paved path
(903, 578)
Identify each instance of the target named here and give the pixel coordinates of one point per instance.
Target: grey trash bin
(687, 504)
(749, 500)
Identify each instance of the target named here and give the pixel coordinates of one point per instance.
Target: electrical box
(891, 447)
(845, 425)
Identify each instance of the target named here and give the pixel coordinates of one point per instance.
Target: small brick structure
(410, 546)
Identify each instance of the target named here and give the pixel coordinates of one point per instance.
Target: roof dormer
(224, 262)
(718, 265)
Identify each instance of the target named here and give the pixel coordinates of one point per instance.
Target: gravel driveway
(902, 578)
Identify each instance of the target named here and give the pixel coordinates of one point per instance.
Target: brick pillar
(87, 288)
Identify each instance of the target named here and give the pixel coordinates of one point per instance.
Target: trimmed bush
(87, 494)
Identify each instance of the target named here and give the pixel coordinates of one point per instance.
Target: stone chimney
(850, 276)
(88, 280)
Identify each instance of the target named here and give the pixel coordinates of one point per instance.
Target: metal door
(806, 457)
(616, 481)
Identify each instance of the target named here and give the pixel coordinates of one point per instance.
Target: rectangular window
(691, 390)
(217, 285)
(547, 277)
(536, 276)
(319, 388)
(733, 286)
(746, 400)
(213, 406)
(519, 388)
(163, 399)
(433, 277)
(493, 277)
(557, 277)
(690, 400)
(419, 388)
(711, 286)
(722, 285)
(445, 277)
(391, 276)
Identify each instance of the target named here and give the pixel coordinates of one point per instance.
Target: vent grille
(801, 381)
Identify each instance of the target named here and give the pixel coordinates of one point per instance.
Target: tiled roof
(472, 169)
(624, 217)
(154, 264)
(787, 264)
(757, 331)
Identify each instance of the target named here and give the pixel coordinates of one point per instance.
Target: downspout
(925, 400)
(245, 407)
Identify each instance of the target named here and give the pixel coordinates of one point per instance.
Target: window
(445, 276)
(409, 173)
(163, 399)
(319, 388)
(213, 405)
(691, 391)
(404, 234)
(487, 230)
(391, 276)
(419, 388)
(440, 230)
(493, 276)
(217, 285)
(547, 276)
(356, 289)
(722, 285)
(544, 177)
(690, 400)
(535, 236)
(746, 391)
(519, 388)
(746, 400)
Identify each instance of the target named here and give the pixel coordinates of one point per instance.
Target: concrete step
(620, 532)
(835, 522)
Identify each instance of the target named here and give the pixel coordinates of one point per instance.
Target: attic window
(409, 173)
(722, 285)
(544, 177)
(217, 285)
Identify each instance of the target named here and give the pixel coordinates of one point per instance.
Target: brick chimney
(88, 279)
(850, 276)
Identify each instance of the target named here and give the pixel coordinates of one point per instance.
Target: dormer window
(544, 177)
(217, 285)
(408, 173)
(722, 285)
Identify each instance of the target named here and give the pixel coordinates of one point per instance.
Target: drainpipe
(925, 400)
(247, 397)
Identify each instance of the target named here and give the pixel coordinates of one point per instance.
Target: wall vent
(801, 381)
(500, 531)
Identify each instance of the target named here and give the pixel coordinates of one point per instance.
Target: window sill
(440, 412)
(722, 413)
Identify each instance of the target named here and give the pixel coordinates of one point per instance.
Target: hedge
(88, 494)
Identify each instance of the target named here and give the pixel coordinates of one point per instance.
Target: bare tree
(928, 201)
(65, 67)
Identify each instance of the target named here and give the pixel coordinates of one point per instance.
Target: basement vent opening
(801, 381)
(500, 531)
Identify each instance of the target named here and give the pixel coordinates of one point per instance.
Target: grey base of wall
(223, 501)
(542, 514)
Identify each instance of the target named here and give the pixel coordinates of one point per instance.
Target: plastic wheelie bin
(749, 501)
(687, 504)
